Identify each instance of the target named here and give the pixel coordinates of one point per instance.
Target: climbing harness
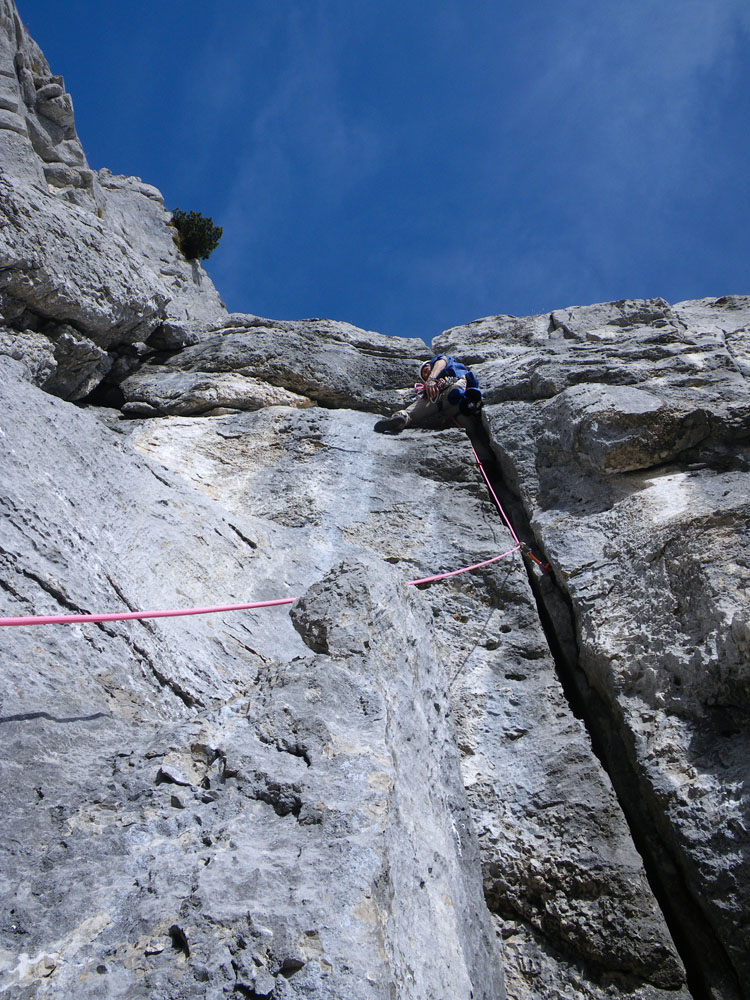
(466, 398)
(80, 619)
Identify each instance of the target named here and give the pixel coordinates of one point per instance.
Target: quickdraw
(543, 566)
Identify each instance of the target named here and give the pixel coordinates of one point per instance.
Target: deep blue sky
(408, 166)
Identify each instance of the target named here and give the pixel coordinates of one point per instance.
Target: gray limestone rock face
(652, 390)
(691, 366)
(154, 393)
(34, 351)
(384, 791)
(562, 875)
(560, 872)
(614, 428)
(92, 250)
(333, 363)
(38, 140)
(429, 898)
(63, 264)
(213, 804)
(81, 365)
(632, 463)
(136, 212)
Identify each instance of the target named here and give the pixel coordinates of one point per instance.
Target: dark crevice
(29, 716)
(244, 538)
(4, 585)
(295, 750)
(284, 800)
(120, 593)
(290, 967)
(179, 940)
(106, 394)
(185, 697)
(54, 592)
(250, 993)
(708, 968)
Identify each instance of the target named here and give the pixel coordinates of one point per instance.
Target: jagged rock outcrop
(388, 791)
(83, 253)
(335, 364)
(38, 139)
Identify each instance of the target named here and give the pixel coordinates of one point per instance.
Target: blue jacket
(453, 368)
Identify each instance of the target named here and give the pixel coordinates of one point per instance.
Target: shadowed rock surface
(335, 364)
(389, 791)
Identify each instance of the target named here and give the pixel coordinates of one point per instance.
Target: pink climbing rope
(120, 616)
(455, 572)
(504, 555)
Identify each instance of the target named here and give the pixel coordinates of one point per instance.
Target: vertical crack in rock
(708, 967)
(566, 887)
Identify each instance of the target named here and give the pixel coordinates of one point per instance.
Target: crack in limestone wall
(566, 887)
(623, 429)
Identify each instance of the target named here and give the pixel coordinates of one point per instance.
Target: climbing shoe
(471, 403)
(392, 426)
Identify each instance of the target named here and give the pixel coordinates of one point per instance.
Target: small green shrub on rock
(197, 236)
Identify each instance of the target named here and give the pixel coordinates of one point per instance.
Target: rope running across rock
(81, 619)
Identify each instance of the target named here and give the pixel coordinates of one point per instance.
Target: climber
(448, 392)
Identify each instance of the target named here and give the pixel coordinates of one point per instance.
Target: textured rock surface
(629, 443)
(417, 502)
(275, 479)
(381, 792)
(38, 140)
(215, 806)
(63, 264)
(155, 393)
(334, 363)
(82, 253)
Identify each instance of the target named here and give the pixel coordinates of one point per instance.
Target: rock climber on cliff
(448, 392)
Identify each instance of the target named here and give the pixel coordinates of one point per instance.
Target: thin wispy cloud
(636, 80)
(299, 155)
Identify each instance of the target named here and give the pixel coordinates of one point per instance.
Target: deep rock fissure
(706, 962)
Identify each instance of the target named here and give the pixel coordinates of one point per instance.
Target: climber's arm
(430, 386)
